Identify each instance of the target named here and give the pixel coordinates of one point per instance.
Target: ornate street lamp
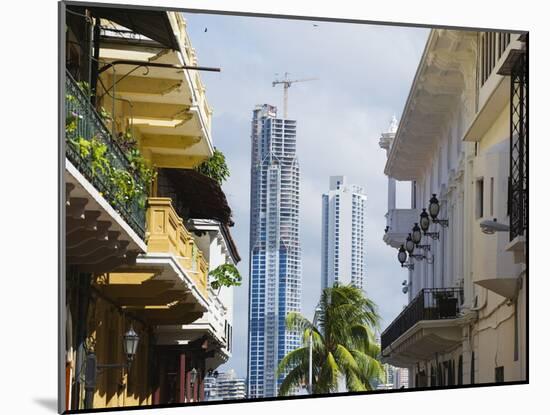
(409, 244)
(193, 377)
(425, 225)
(424, 221)
(402, 257)
(434, 208)
(131, 341)
(416, 235)
(130, 344)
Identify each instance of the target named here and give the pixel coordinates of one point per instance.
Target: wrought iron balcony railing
(92, 150)
(429, 304)
(519, 135)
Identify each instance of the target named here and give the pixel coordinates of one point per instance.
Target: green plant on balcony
(225, 275)
(126, 141)
(125, 189)
(215, 167)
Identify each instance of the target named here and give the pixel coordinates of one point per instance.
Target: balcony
(167, 285)
(212, 325)
(169, 107)
(498, 263)
(431, 323)
(91, 150)
(167, 236)
(399, 223)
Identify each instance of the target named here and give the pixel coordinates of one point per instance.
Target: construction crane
(286, 84)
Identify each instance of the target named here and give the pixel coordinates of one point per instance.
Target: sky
(364, 75)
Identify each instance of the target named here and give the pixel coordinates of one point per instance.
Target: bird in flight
(206, 29)
(315, 25)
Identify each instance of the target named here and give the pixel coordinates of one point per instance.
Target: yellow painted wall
(499, 131)
(115, 388)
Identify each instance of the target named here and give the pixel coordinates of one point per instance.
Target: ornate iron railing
(519, 112)
(87, 124)
(429, 304)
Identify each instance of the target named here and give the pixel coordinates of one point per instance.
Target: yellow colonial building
(462, 143)
(137, 124)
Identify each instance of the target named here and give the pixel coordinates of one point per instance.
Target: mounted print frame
(225, 237)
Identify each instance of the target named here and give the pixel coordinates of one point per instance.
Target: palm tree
(343, 344)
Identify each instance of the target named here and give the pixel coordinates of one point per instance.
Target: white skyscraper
(344, 231)
(275, 257)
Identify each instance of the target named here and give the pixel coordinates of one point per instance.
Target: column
(182, 383)
(391, 193)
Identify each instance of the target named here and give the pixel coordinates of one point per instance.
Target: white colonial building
(462, 146)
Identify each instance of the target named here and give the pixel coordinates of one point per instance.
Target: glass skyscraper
(275, 256)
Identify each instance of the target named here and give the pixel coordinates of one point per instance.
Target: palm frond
(297, 357)
(293, 379)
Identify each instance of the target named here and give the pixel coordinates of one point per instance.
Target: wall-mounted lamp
(402, 258)
(489, 227)
(425, 224)
(193, 377)
(434, 208)
(410, 245)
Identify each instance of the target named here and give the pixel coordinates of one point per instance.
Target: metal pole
(310, 386)
(285, 99)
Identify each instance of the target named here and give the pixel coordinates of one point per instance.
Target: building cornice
(445, 77)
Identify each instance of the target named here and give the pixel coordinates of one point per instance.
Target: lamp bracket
(443, 222)
(409, 266)
(424, 247)
(433, 235)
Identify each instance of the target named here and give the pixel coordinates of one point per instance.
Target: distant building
(396, 378)
(343, 235)
(224, 386)
(275, 256)
(401, 378)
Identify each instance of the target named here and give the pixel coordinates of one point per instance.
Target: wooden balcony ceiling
(150, 88)
(143, 293)
(94, 240)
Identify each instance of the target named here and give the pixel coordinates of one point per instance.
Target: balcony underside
(189, 333)
(150, 294)
(172, 119)
(423, 341)
(170, 272)
(506, 286)
(98, 239)
(182, 334)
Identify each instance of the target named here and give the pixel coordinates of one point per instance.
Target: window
(499, 374)
(479, 198)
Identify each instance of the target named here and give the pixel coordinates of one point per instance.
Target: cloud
(365, 73)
